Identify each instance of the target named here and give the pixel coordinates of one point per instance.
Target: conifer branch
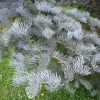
(50, 24)
(73, 51)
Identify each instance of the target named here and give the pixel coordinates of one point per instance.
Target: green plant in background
(93, 6)
(55, 47)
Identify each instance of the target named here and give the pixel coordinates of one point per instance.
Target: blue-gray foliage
(37, 36)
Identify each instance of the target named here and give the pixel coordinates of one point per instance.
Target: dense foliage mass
(93, 6)
(53, 45)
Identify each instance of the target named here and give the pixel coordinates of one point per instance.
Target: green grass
(9, 92)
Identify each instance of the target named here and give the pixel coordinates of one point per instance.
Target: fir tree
(53, 45)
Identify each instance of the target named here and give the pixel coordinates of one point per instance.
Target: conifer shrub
(92, 6)
(54, 45)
